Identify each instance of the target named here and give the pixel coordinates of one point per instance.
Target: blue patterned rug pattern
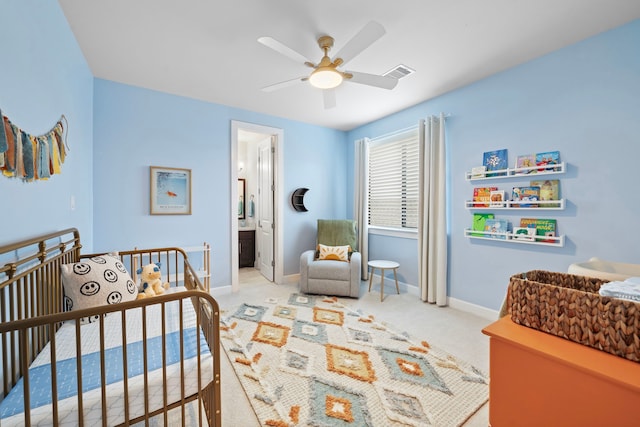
(313, 360)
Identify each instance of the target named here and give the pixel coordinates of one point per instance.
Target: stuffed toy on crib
(151, 285)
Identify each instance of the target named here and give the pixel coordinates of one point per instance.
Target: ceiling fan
(326, 75)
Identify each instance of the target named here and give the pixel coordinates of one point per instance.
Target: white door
(265, 208)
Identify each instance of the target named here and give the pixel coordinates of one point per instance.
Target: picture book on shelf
(497, 227)
(478, 172)
(479, 220)
(549, 190)
(528, 222)
(547, 160)
(497, 199)
(544, 227)
(495, 160)
(482, 196)
(524, 195)
(525, 161)
(524, 233)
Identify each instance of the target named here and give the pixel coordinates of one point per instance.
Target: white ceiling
(208, 49)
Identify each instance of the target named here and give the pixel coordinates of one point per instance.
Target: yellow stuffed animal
(150, 275)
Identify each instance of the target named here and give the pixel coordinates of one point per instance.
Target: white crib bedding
(12, 407)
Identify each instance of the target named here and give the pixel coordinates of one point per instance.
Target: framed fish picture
(170, 191)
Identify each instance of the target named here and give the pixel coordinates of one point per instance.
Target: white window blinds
(393, 180)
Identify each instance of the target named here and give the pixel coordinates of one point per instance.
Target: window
(393, 180)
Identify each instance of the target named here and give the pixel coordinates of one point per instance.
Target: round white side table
(383, 265)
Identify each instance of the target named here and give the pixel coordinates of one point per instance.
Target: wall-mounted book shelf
(490, 198)
(546, 205)
(509, 237)
(510, 173)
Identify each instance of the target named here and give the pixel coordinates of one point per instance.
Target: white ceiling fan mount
(326, 74)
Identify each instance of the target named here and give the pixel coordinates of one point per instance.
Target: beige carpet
(323, 361)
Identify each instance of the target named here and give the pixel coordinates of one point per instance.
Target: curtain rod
(399, 131)
(396, 132)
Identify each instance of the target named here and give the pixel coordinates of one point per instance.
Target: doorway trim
(278, 205)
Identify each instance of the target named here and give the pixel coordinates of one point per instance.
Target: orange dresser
(537, 379)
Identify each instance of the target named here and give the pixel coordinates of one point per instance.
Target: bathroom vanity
(246, 247)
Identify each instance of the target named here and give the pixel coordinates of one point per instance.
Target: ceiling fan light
(325, 78)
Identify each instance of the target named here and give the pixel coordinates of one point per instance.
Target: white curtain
(432, 224)
(361, 200)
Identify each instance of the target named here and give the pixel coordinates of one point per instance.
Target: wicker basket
(570, 307)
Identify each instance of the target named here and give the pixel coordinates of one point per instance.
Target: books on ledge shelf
(478, 172)
(494, 161)
(497, 198)
(525, 194)
(497, 227)
(482, 196)
(524, 233)
(547, 160)
(543, 227)
(549, 190)
(525, 161)
(479, 220)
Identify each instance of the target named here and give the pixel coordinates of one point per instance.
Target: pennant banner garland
(29, 157)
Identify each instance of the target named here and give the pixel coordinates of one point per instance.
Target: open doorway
(256, 158)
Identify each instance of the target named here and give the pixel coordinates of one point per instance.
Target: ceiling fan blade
(284, 84)
(283, 49)
(329, 97)
(384, 82)
(365, 38)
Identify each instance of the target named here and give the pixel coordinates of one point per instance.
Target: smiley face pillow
(96, 281)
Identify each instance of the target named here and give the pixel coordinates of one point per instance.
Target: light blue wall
(136, 128)
(583, 100)
(43, 75)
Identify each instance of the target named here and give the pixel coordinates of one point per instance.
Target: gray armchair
(329, 277)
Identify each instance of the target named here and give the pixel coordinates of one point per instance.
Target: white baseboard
(478, 310)
(458, 304)
(291, 279)
(222, 290)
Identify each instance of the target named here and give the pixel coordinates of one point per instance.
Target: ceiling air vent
(399, 72)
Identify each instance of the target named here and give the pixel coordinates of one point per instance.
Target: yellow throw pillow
(334, 253)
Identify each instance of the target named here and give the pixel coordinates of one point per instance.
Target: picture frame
(170, 191)
(241, 198)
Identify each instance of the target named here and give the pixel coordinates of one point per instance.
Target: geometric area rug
(313, 360)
